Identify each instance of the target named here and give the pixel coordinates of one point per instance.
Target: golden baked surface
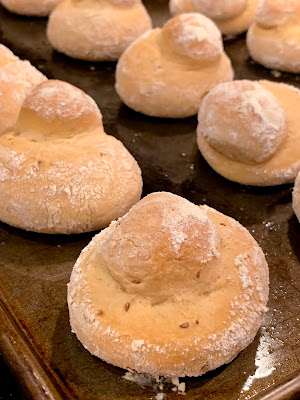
(249, 132)
(170, 289)
(59, 171)
(232, 17)
(97, 30)
(38, 8)
(17, 79)
(273, 38)
(166, 72)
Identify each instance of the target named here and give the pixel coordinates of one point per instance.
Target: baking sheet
(35, 336)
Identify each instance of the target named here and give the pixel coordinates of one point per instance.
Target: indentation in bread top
(272, 13)
(243, 121)
(57, 110)
(220, 9)
(194, 36)
(160, 247)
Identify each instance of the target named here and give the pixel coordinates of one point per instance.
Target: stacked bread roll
(96, 30)
(232, 17)
(273, 39)
(72, 176)
(170, 289)
(249, 132)
(17, 79)
(34, 8)
(166, 72)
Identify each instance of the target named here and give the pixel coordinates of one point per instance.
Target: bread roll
(34, 8)
(232, 17)
(249, 132)
(273, 40)
(97, 30)
(166, 72)
(170, 289)
(17, 79)
(59, 171)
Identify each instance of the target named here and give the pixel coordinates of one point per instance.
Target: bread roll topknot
(220, 9)
(194, 36)
(160, 246)
(57, 110)
(243, 121)
(271, 13)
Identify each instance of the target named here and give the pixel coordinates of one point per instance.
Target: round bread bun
(59, 171)
(273, 40)
(96, 30)
(170, 289)
(34, 8)
(249, 132)
(17, 79)
(166, 72)
(232, 17)
(296, 197)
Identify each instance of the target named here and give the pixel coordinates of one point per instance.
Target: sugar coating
(197, 36)
(6, 53)
(97, 30)
(62, 176)
(271, 13)
(220, 9)
(59, 99)
(252, 126)
(17, 79)
(176, 220)
(273, 39)
(128, 341)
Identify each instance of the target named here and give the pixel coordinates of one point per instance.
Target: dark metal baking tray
(35, 336)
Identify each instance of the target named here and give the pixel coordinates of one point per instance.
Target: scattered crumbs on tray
(156, 383)
(264, 360)
(275, 73)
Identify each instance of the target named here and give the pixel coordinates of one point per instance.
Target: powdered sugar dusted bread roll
(167, 71)
(38, 8)
(17, 79)
(232, 17)
(273, 39)
(59, 171)
(170, 289)
(97, 30)
(249, 132)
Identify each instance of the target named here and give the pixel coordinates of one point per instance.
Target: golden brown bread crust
(96, 30)
(232, 17)
(17, 79)
(166, 72)
(273, 38)
(59, 171)
(281, 165)
(35, 8)
(170, 289)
